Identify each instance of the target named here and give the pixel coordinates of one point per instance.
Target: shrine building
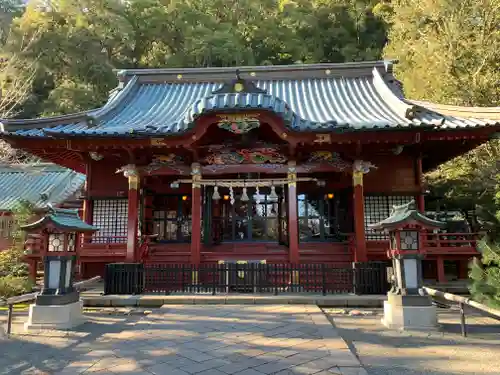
(268, 163)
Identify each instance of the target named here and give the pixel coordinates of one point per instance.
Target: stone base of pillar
(409, 313)
(54, 317)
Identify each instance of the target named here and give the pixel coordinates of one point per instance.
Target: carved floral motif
(331, 158)
(246, 156)
(239, 123)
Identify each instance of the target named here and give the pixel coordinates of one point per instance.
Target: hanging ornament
(273, 194)
(244, 195)
(216, 195)
(231, 194)
(257, 195)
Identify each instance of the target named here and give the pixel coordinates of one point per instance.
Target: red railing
(103, 246)
(434, 243)
(450, 243)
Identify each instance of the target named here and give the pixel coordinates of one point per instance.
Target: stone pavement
(443, 352)
(188, 339)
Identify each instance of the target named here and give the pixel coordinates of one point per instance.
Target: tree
(17, 75)
(449, 52)
(485, 273)
(13, 269)
(79, 43)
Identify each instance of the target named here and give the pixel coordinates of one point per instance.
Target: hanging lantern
(244, 195)
(273, 194)
(216, 195)
(231, 193)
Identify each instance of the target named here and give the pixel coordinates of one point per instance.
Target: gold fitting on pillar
(133, 182)
(196, 175)
(292, 174)
(194, 277)
(295, 277)
(357, 178)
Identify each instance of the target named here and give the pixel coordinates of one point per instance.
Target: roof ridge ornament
(239, 85)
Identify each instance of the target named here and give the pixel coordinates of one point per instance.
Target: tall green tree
(449, 52)
(80, 42)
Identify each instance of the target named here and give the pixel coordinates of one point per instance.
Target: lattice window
(172, 218)
(110, 216)
(6, 226)
(377, 208)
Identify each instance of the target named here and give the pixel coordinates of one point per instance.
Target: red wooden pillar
(293, 228)
(441, 276)
(196, 215)
(419, 180)
(360, 253)
(132, 215)
(32, 270)
(86, 215)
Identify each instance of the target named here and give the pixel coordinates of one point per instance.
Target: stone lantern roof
(404, 215)
(61, 219)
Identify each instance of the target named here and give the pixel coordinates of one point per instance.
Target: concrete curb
(96, 300)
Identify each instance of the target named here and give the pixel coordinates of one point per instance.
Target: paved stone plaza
(189, 339)
(443, 352)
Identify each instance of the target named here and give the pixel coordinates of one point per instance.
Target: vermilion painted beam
(360, 253)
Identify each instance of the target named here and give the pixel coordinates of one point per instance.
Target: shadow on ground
(444, 352)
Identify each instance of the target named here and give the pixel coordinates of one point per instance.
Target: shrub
(13, 286)
(12, 263)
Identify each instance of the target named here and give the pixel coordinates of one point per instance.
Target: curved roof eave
(90, 116)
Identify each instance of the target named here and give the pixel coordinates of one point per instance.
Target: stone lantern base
(409, 313)
(54, 317)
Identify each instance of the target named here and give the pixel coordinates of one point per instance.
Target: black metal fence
(136, 278)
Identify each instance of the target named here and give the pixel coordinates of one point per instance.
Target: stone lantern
(407, 306)
(58, 305)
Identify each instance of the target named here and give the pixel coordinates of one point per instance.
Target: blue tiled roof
(39, 184)
(317, 97)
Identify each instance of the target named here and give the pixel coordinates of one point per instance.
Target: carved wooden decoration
(246, 156)
(238, 123)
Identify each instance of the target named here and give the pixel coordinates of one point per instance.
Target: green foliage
(76, 44)
(11, 286)
(11, 260)
(470, 179)
(449, 52)
(485, 273)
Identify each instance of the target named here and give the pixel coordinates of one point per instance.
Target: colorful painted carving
(332, 158)
(262, 155)
(238, 123)
(170, 160)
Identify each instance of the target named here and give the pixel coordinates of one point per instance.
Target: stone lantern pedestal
(407, 306)
(58, 306)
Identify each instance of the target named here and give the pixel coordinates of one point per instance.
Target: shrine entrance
(248, 214)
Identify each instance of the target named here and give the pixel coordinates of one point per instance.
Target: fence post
(463, 325)
(9, 319)
(323, 279)
(275, 279)
(214, 279)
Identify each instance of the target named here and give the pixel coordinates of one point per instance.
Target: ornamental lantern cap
(404, 215)
(63, 220)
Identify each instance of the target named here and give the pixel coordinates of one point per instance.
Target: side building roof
(309, 97)
(37, 183)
